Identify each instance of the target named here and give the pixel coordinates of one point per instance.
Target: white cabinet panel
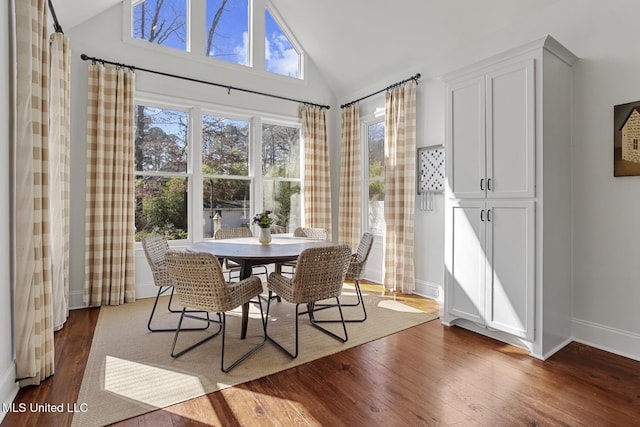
(467, 131)
(510, 285)
(510, 113)
(466, 266)
(491, 133)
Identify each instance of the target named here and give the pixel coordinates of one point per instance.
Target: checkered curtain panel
(59, 176)
(33, 327)
(400, 187)
(110, 199)
(317, 178)
(350, 170)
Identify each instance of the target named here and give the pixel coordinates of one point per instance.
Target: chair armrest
(280, 284)
(241, 292)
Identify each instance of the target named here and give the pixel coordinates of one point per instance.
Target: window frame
(194, 175)
(157, 103)
(263, 179)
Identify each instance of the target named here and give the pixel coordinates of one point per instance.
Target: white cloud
(280, 56)
(241, 52)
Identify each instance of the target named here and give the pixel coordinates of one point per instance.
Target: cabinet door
(510, 278)
(510, 114)
(466, 262)
(466, 138)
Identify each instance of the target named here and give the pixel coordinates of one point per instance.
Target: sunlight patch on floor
(145, 383)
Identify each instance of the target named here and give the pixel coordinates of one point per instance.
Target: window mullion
(255, 164)
(197, 25)
(196, 204)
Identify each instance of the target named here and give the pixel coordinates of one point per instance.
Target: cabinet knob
(482, 215)
(489, 184)
(481, 184)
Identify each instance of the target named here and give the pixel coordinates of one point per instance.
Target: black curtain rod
(229, 88)
(414, 78)
(56, 24)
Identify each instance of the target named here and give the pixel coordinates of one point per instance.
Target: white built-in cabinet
(508, 209)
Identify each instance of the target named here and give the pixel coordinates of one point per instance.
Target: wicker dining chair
(319, 275)
(309, 233)
(230, 233)
(354, 273)
(200, 285)
(155, 250)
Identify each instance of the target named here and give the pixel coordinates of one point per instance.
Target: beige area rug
(130, 371)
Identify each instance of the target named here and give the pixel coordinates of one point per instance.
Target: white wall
(101, 37)
(8, 387)
(606, 271)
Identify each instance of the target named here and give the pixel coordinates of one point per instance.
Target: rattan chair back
(311, 233)
(359, 258)
(230, 233)
(319, 274)
(155, 249)
(200, 285)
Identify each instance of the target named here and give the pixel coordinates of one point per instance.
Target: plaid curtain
(33, 326)
(59, 176)
(109, 215)
(350, 200)
(400, 187)
(317, 178)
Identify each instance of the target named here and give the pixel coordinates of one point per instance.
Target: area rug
(130, 371)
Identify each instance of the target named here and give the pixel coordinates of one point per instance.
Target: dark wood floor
(426, 375)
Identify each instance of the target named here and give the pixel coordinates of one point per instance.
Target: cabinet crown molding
(547, 43)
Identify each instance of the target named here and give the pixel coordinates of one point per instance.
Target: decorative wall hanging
(430, 174)
(626, 139)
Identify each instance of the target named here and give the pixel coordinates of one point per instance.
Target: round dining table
(247, 252)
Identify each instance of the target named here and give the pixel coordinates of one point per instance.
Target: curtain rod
(228, 87)
(414, 78)
(56, 24)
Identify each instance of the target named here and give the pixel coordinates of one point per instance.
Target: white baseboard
(429, 290)
(617, 341)
(143, 290)
(146, 290)
(8, 388)
(76, 300)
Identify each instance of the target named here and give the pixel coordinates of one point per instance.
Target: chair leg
(315, 324)
(248, 353)
(170, 300)
(153, 310)
(291, 355)
(360, 301)
(175, 337)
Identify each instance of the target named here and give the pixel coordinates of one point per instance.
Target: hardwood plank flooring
(427, 375)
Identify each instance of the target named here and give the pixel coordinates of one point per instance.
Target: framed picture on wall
(626, 139)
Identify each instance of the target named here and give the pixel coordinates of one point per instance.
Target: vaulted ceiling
(356, 43)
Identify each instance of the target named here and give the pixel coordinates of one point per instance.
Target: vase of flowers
(264, 221)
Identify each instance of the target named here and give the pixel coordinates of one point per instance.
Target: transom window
(218, 29)
(228, 35)
(163, 22)
(281, 57)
